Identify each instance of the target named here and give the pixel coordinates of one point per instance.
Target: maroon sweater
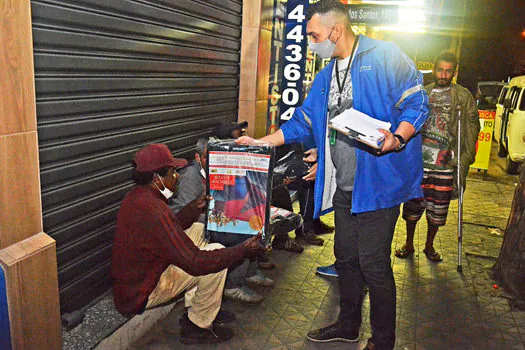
(150, 237)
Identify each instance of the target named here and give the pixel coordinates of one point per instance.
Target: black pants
(362, 252)
(306, 204)
(305, 194)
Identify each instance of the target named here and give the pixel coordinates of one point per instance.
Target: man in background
(448, 102)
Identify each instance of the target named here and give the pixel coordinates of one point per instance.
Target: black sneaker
(334, 332)
(322, 228)
(310, 238)
(287, 244)
(190, 333)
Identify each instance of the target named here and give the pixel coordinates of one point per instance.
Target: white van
(497, 122)
(509, 126)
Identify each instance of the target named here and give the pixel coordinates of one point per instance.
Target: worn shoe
(222, 317)
(327, 271)
(190, 333)
(321, 228)
(334, 332)
(287, 244)
(243, 294)
(260, 279)
(310, 238)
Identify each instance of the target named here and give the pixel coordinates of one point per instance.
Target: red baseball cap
(156, 156)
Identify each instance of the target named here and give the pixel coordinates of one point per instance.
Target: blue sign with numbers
(295, 46)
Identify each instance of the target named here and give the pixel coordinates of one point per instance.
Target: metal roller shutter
(112, 76)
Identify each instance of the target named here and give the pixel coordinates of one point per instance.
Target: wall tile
(251, 13)
(264, 62)
(261, 118)
(21, 213)
(248, 76)
(247, 112)
(17, 107)
(30, 268)
(267, 14)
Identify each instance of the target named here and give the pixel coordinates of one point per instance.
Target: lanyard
(333, 133)
(339, 85)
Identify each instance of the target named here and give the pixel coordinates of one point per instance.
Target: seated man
(192, 181)
(154, 260)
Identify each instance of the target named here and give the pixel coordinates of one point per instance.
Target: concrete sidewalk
(437, 308)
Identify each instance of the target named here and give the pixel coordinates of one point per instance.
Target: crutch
(460, 196)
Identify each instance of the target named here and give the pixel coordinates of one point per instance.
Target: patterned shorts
(437, 191)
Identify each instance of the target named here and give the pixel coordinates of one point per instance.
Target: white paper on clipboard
(361, 127)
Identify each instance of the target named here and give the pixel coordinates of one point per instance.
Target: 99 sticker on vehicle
(295, 46)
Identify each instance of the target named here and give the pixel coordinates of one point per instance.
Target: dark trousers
(306, 204)
(362, 251)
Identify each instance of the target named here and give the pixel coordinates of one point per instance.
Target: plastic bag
(284, 221)
(290, 165)
(239, 180)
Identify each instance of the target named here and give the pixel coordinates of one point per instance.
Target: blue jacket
(386, 86)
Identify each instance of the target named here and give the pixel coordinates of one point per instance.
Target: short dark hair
(145, 178)
(324, 6)
(201, 145)
(446, 56)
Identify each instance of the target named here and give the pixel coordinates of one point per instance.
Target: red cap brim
(179, 162)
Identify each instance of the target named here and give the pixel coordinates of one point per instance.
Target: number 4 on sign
(288, 114)
(296, 34)
(297, 14)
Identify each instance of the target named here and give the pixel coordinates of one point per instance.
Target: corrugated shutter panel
(112, 76)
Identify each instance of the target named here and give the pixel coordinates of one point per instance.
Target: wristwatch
(402, 142)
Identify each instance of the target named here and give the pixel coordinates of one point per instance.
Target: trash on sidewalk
(495, 231)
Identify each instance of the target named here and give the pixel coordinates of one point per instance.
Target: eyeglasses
(174, 172)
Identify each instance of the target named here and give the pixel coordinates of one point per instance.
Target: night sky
(493, 45)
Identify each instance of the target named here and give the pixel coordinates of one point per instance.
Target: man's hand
(253, 248)
(201, 201)
(311, 155)
(288, 181)
(275, 139)
(312, 172)
(405, 129)
(250, 141)
(390, 143)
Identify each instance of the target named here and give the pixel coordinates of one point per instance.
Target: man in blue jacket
(367, 186)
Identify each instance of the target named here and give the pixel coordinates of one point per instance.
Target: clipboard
(354, 135)
(360, 126)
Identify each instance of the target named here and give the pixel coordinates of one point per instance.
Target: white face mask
(203, 173)
(324, 49)
(166, 192)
